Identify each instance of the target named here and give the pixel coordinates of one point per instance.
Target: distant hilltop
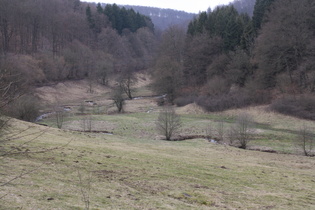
(163, 18)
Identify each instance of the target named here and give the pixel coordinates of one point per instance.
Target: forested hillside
(53, 40)
(225, 59)
(228, 59)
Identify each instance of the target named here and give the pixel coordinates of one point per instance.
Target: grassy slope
(130, 172)
(133, 169)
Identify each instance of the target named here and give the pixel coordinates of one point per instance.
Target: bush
(302, 106)
(216, 86)
(160, 101)
(117, 97)
(237, 99)
(242, 130)
(168, 122)
(25, 108)
(223, 102)
(183, 101)
(305, 140)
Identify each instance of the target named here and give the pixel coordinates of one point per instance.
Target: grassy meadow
(131, 167)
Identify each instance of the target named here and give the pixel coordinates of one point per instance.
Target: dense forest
(54, 40)
(230, 59)
(233, 56)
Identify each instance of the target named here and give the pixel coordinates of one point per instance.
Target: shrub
(25, 108)
(237, 99)
(168, 122)
(183, 101)
(59, 115)
(242, 129)
(305, 140)
(160, 101)
(223, 102)
(216, 86)
(117, 97)
(302, 106)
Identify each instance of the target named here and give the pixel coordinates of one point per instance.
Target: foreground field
(123, 171)
(127, 165)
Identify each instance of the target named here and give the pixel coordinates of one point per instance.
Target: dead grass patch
(263, 115)
(69, 91)
(190, 109)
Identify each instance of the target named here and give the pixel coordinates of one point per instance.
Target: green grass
(142, 125)
(133, 170)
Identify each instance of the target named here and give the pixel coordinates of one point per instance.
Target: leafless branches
(87, 123)
(242, 130)
(117, 97)
(85, 189)
(168, 122)
(305, 140)
(59, 113)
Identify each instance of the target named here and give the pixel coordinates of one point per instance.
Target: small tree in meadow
(117, 97)
(60, 114)
(306, 140)
(242, 130)
(220, 130)
(168, 122)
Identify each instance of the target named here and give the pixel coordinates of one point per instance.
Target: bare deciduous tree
(168, 122)
(305, 140)
(216, 132)
(117, 97)
(220, 131)
(126, 82)
(87, 123)
(81, 108)
(242, 130)
(59, 113)
(85, 189)
(167, 72)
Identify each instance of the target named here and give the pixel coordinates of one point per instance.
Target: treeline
(225, 59)
(230, 59)
(67, 39)
(164, 18)
(121, 18)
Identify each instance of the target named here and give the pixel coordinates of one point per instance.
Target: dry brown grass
(143, 79)
(133, 170)
(262, 115)
(190, 109)
(69, 91)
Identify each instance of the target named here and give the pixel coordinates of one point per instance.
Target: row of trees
(120, 19)
(238, 134)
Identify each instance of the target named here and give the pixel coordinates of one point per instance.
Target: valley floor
(130, 167)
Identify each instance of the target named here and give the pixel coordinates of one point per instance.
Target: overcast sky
(194, 6)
